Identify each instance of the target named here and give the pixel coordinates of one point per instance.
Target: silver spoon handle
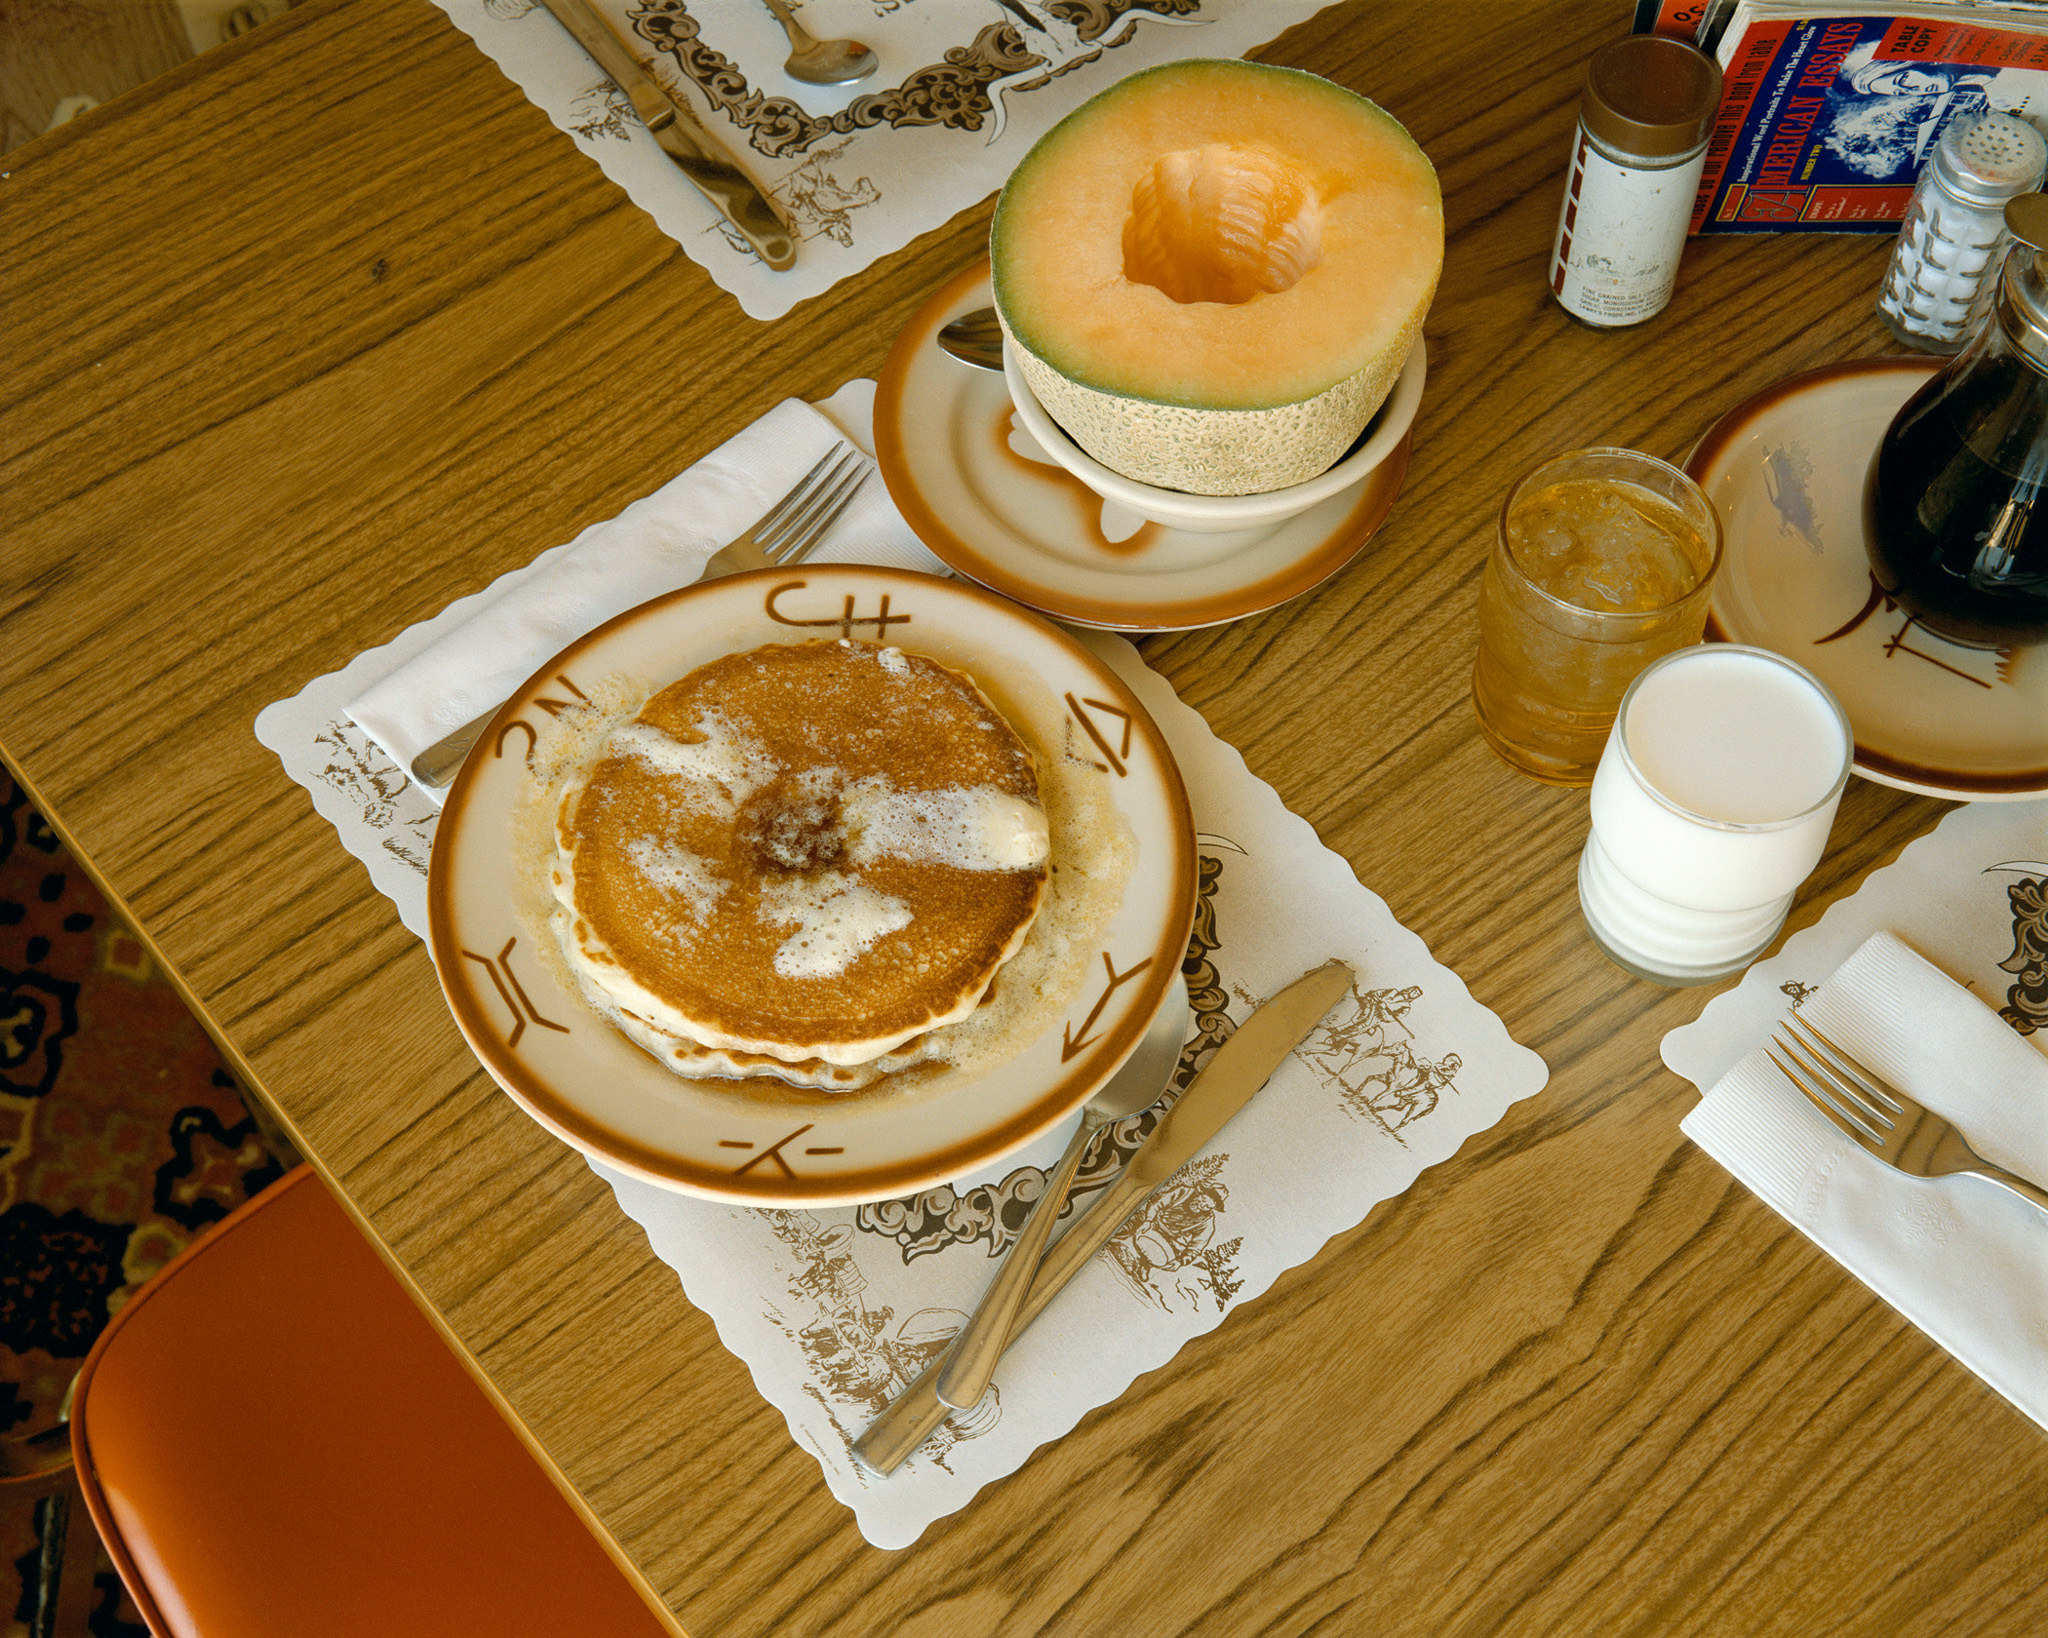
(971, 1361)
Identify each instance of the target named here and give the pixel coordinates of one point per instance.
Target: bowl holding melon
(1212, 274)
(1226, 514)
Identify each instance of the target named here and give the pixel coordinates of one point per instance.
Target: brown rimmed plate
(994, 507)
(767, 1144)
(1786, 472)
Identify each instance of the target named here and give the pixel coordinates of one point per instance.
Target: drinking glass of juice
(1603, 560)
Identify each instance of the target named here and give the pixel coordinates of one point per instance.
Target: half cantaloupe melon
(1212, 272)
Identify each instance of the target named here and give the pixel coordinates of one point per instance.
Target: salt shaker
(1943, 270)
(1644, 117)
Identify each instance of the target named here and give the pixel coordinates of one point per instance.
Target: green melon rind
(1217, 451)
(1198, 450)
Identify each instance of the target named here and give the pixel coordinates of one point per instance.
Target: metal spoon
(964, 1377)
(974, 338)
(821, 62)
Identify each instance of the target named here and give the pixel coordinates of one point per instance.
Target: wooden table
(314, 335)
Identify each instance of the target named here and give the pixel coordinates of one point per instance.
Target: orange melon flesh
(1218, 253)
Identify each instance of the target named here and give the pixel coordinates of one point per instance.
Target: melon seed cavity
(1222, 223)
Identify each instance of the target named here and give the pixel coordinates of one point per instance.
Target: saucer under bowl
(982, 492)
(1223, 514)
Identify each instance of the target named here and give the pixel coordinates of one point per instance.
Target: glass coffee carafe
(1956, 504)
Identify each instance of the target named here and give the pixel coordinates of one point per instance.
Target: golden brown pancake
(695, 1061)
(814, 851)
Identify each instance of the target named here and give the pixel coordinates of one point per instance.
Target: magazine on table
(1828, 111)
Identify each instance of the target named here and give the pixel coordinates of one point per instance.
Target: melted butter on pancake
(720, 768)
(838, 918)
(690, 878)
(973, 828)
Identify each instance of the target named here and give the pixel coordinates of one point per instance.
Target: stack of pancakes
(800, 861)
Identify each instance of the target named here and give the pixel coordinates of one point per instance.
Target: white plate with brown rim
(993, 505)
(762, 1142)
(1785, 469)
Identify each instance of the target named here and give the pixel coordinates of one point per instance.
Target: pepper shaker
(1644, 118)
(1943, 271)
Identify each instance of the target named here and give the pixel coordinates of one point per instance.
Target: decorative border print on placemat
(1028, 44)
(963, 89)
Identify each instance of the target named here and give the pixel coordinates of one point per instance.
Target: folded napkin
(655, 545)
(1962, 1258)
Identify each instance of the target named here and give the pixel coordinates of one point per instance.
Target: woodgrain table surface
(317, 333)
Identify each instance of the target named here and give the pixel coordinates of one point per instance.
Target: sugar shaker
(1943, 271)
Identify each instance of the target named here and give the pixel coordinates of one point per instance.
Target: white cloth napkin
(657, 544)
(1962, 1258)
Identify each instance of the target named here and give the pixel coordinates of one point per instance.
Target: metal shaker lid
(1651, 96)
(1985, 161)
(2023, 289)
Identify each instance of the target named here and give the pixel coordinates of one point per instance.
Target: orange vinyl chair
(272, 1439)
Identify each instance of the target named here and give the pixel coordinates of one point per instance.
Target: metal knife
(1242, 1065)
(709, 167)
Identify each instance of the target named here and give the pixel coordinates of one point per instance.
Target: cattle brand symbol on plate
(846, 620)
(1073, 1042)
(512, 993)
(1880, 599)
(1120, 754)
(774, 1151)
(553, 707)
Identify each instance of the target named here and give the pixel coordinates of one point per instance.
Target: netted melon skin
(1217, 451)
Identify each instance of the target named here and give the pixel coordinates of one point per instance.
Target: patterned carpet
(121, 1135)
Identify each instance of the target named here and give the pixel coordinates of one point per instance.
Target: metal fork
(1877, 1115)
(788, 532)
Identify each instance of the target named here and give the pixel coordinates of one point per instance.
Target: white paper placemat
(1971, 896)
(1961, 1258)
(964, 88)
(833, 1310)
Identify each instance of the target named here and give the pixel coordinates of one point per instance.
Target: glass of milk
(1711, 804)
